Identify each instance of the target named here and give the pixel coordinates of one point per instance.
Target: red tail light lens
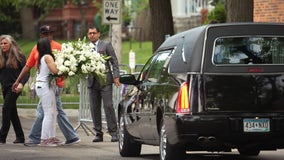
(183, 99)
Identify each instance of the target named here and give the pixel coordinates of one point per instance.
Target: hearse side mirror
(128, 79)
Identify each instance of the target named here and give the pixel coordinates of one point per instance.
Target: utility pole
(116, 40)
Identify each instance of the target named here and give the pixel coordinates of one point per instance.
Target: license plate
(256, 125)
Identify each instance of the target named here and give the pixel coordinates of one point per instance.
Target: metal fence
(84, 115)
(29, 98)
(80, 98)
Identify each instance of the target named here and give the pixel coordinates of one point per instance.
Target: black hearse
(216, 87)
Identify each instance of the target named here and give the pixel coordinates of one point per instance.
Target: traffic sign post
(112, 11)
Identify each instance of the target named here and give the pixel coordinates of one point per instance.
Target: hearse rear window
(266, 50)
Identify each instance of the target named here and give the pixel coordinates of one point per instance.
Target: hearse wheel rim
(121, 132)
(163, 143)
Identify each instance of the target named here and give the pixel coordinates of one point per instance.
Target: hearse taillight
(183, 99)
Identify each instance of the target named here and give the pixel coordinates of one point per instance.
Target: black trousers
(10, 114)
(97, 96)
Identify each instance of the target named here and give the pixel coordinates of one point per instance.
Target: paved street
(85, 150)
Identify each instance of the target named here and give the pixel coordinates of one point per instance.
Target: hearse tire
(127, 146)
(167, 151)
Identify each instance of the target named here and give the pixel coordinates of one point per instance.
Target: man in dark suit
(99, 93)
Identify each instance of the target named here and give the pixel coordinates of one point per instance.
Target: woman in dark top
(11, 63)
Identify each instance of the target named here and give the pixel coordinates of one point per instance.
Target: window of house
(194, 6)
(188, 7)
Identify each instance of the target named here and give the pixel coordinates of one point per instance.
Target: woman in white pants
(46, 92)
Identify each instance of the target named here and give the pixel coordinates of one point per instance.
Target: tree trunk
(161, 22)
(29, 26)
(239, 10)
(142, 23)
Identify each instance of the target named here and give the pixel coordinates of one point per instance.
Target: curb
(31, 112)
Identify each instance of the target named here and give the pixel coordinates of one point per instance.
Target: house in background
(188, 13)
(268, 11)
(69, 21)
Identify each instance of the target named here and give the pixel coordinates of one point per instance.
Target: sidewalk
(83, 150)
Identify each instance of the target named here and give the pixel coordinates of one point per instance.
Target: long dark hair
(43, 48)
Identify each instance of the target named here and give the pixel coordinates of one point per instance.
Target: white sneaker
(56, 140)
(48, 143)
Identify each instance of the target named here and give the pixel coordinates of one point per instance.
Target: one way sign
(112, 11)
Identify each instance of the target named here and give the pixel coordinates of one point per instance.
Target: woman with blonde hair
(12, 60)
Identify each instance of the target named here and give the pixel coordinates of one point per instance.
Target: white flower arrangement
(80, 59)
